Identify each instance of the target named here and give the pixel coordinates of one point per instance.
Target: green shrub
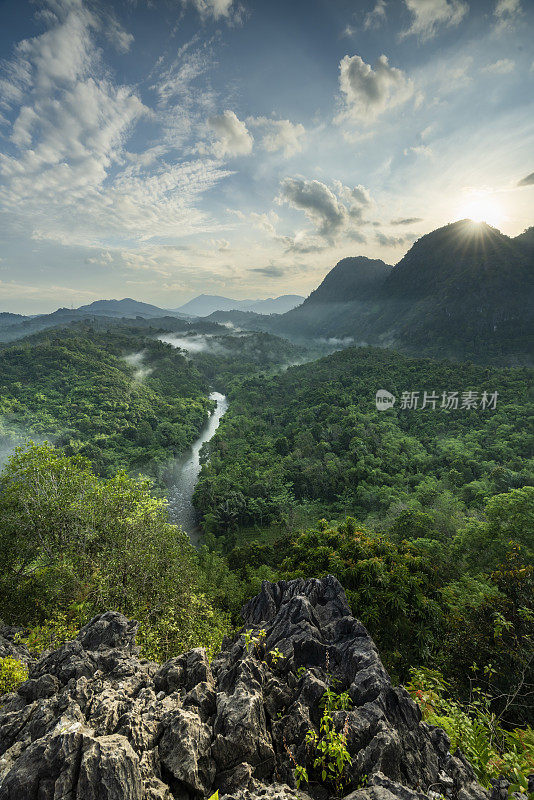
(492, 750)
(12, 673)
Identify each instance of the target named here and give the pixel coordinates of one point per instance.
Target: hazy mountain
(206, 304)
(7, 319)
(274, 305)
(463, 291)
(124, 308)
(526, 239)
(342, 303)
(105, 309)
(351, 279)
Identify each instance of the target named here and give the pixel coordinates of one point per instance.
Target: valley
(236, 449)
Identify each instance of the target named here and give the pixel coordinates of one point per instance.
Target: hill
(17, 327)
(464, 291)
(124, 308)
(80, 389)
(206, 304)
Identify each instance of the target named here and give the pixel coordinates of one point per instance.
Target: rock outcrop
(96, 722)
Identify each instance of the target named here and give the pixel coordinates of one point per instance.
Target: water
(182, 475)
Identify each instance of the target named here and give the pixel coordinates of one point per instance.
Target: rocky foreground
(95, 722)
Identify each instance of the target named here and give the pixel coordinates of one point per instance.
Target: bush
(12, 674)
(492, 750)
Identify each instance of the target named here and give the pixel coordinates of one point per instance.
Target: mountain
(340, 305)
(206, 304)
(7, 319)
(96, 721)
(124, 308)
(462, 291)
(109, 310)
(274, 305)
(526, 239)
(352, 279)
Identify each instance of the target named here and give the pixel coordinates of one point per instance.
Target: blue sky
(158, 149)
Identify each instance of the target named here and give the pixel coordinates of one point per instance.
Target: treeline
(312, 438)
(437, 557)
(118, 397)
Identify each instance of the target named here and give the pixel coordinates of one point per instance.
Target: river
(181, 477)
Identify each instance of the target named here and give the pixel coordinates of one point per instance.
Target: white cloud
(369, 91)
(119, 38)
(280, 134)
(265, 222)
(213, 9)
(377, 16)
(332, 211)
(71, 179)
(501, 67)
(233, 138)
(507, 14)
(395, 241)
(419, 150)
(429, 15)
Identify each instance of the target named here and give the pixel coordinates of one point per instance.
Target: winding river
(181, 477)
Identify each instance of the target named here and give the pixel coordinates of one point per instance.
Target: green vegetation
(77, 388)
(12, 673)
(425, 516)
(313, 436)
(439, 565)
(492, 750)
(73, 545)
(328, 747)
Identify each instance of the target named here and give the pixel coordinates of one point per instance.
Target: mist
(135, 360)
(196, 343)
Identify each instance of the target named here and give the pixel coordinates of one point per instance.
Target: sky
(159, 149)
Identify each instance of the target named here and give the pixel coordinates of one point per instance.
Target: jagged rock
(95, 721)
(10, 647)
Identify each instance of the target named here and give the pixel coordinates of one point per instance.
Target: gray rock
(95, 721)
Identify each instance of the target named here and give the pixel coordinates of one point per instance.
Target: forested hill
(315, 436)
(464, 291)
(121, 398)
(112, 391)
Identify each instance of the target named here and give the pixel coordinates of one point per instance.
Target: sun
(482, 208)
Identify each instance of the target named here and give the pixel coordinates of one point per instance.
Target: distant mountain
(274, 305)
(206, 304)
(526, 239)
(341, 304)
(123, 308)
(7, 319)
(463, 291)
(104, 309)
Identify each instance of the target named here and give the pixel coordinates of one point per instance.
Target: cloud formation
(376, 17)
(430, 15)
(501, 67)
(395, 241)
(332, 211)
(66, 174)
(280, 134)
(233, 137)
(507, 14)
(369, 91)
(406, 221)
(212, 9)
